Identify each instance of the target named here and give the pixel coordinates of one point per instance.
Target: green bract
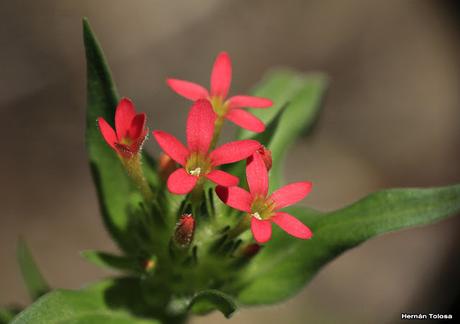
(163, 282)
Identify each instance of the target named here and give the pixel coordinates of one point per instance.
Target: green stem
(134, 169)
(195, 197)
(217, 130)
(242, 226)
(197, 193)
(209, 206)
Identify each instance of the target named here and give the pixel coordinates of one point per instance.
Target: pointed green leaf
(111, 261)
(7, 314)
(280, 86)
(286, 264)
(298, 117)
(112, 301)
(297, 101)
(33, 279)
(118, 197)
(208, 300)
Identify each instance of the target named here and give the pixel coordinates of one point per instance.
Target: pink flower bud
(185, 228)
(266, 155)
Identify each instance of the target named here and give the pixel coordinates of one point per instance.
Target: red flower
(221, 78)
(264, 208)
(130, 130)
(197, 163)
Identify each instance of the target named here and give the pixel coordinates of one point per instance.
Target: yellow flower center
(219, 105)
(262, 208)
(198, 164)
(126, 141)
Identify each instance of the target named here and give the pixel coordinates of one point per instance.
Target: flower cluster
(186, 168)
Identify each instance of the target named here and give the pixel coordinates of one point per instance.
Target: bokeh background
(391, 118)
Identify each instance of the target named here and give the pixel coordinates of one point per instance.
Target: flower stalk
(243, 225)
(133, 167)
(217, 130)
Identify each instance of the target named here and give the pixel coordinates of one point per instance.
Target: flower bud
(183, 235)
(166, 166)
(266, 155)
(149, 264)
(250, 250)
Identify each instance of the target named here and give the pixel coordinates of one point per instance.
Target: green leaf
(7, 315)
(298, 117)
(111, 261)
(112, 301)
(280, 86)
(208, 300)
(286, 264)
(33, 279)
(297, 101)
(118, 197)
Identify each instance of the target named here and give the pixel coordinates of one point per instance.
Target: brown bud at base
(266, 155)
(185, 228)
(250, 250)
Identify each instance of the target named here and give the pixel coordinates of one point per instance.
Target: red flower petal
(261, 229)
(107, 132)
(137, 126)
(200, 126)
(235, 197)
(249, 101)
(180, 182)
(221, 75)
(233, 152)
(245, 120)
(257, 175)
(292, 225)
(187, 89)
(290, 194)
(123, 117)
(171, 146)
(222, 178)
(135, 147)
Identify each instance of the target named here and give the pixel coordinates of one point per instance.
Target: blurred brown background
(391, 118)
